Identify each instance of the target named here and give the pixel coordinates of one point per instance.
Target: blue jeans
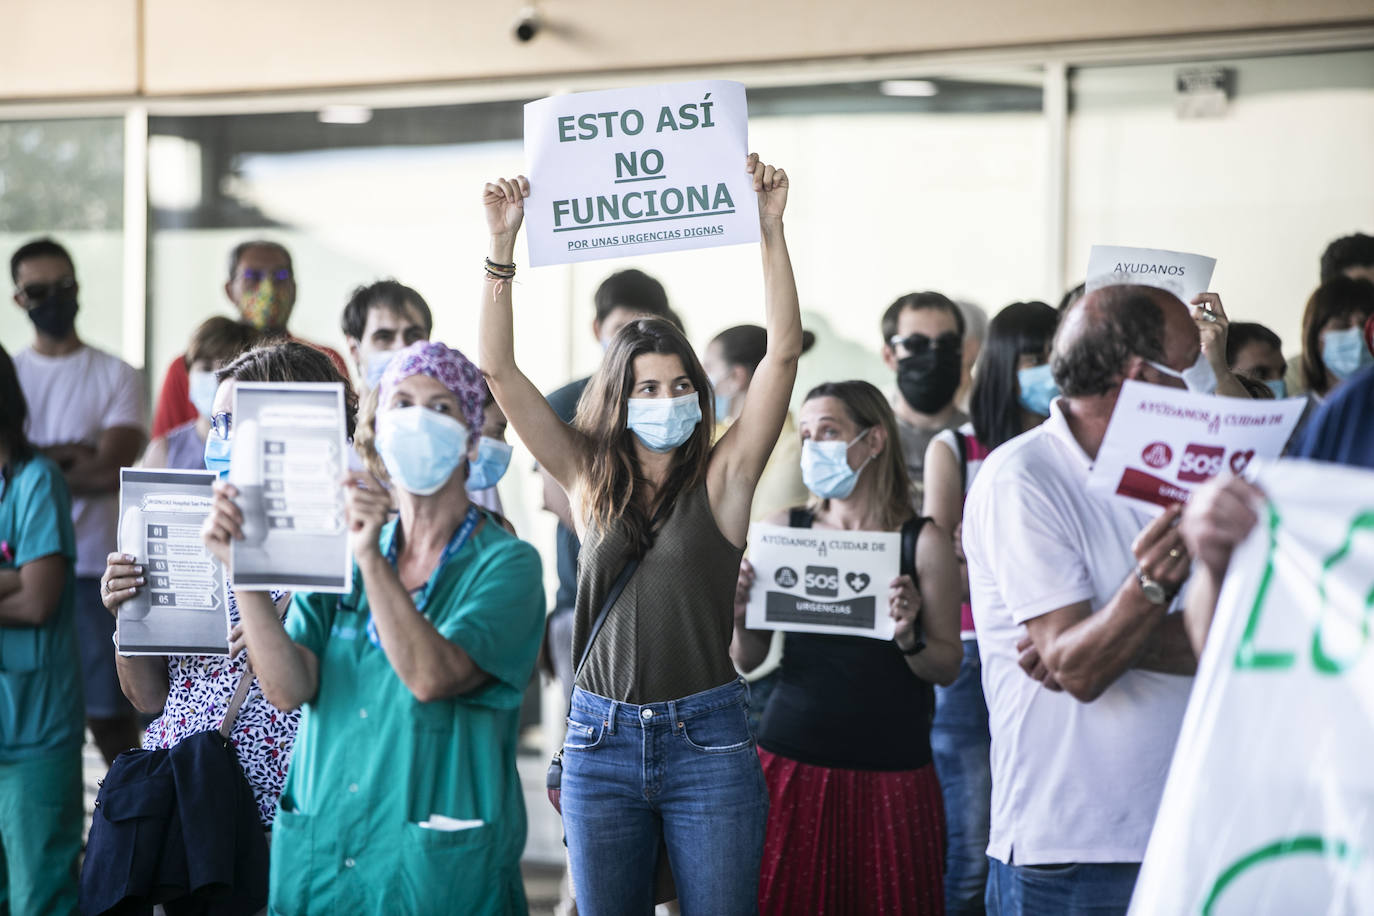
(960, 744)
(685, 770)
(1070, 889)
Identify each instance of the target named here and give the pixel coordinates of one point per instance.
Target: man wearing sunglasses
(262, 287)
(86, 414)
(923, 343)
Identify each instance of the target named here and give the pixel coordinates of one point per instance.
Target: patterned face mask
(266, 307)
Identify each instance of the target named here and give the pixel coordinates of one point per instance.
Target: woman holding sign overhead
(856, 822)
(658, 752)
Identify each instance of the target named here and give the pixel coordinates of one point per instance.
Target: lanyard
(455, 544)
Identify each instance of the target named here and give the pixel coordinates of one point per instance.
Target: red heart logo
(1240, 459)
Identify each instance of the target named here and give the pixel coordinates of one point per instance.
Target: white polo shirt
(1071, 781)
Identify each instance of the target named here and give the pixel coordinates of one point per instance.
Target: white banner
(1185, 275)
(1163, 442)
(1269, 806)
(816, 580)
(637, 171)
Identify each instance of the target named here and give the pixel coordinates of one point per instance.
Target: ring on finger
(1208, 316)
(1175, 553)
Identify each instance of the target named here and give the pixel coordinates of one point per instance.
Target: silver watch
(1153, 591)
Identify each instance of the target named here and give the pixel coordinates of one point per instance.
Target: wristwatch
(1154, 592)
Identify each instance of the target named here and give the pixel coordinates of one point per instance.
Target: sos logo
(1200, 462)
(822, 581)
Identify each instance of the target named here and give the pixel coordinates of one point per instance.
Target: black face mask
(55, 315)
(928, 380)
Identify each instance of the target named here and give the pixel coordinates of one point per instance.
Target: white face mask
(201, 390)
(1199, 377)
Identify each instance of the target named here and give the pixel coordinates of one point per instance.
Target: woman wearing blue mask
(492, 459)
(404, 797)
(188, 693)
(1012, 392)
(658, 751)
(855, 819)
(1333, 345)
(213, 345)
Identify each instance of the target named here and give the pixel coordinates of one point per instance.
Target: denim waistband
(614, 712)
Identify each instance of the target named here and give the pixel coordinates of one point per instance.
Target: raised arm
(555, 445)
(739, 458)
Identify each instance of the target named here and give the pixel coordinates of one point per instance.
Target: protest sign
(1267, 808)
(286, 462)
(1163, 442)
(814, 580)
(1184, 275)
(183, 609)
(638, 171)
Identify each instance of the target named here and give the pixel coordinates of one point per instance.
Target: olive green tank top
(668, 634)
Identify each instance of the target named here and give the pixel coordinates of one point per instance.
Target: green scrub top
(41, 707)
(372, 764)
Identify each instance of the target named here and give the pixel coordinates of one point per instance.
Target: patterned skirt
(852, 842)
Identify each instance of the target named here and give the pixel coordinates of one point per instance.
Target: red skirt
(851, 842)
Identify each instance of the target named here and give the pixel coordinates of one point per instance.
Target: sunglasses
(37, 292)
(916, 344)
(252, 276)
(222, 423)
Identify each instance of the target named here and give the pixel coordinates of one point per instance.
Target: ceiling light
(345, 114)
(908, 88)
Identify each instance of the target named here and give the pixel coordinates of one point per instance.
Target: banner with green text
(1269, 806)
(638, 171)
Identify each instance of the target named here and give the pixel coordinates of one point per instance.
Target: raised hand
(121, 580)
(743, 586)
(368, 505)
(1219, 516)
(1212, 325)
(771, 186)
(504, 203)
(224, 524)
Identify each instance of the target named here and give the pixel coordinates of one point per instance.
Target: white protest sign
(1163, 442)
(1269, 805)
(638, 171)
(815, 580)
(1184, 275)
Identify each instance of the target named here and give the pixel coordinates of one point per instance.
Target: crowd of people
(1004, 752)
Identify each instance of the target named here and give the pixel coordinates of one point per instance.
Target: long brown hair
(614, 486)
(868, 408)
(291, 361)
(1339, 297)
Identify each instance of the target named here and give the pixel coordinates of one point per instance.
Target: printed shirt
(199, 688)
(397, 806)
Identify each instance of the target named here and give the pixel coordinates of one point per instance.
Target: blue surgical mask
(1037, 388)
(1199, 377)
(1278, 386)
(493, 457)
(201, 387)
(421, 448)
(663, 424)
(376, 365)
(825, 468)
(722, 402)
(1344, 352)
(217, 453)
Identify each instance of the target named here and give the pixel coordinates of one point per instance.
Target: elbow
(148, 706)
(285, 700)
(432, 689)
(1082, 689)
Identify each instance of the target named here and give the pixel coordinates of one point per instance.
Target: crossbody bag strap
(240, 694)
(612, 596)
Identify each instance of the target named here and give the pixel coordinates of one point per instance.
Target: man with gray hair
(1075, 590)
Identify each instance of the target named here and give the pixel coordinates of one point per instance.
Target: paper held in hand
(183, 608)
(813, 580)
(630, 172)
(1185, 275)
(288, 457)
(1162, 443)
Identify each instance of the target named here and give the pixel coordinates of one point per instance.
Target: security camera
(527, 26)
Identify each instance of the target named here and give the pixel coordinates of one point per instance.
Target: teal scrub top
(372, 764)
(41, 706)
